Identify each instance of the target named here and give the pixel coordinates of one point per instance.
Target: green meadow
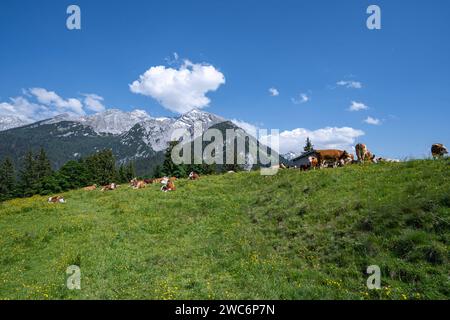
(296, 235)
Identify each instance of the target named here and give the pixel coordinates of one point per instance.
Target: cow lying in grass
(167, 185)
(138, 184)
(90, 188)
(193, 176)
(56, 199)
(109, 187)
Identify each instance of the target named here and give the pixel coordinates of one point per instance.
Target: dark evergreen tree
(169, 167)
(101, 167)
(121, 174)
(157, 172)
(73, 175)
(308, 146)
(7, 179)
(28, 176)
(130, 171)
(43, 166)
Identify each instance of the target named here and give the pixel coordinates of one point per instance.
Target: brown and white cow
(167, 185)
(335, 157)
(138, 184)
(56, 199)
(109, 187)
(194, 176)
(438, 150)
(363, 153)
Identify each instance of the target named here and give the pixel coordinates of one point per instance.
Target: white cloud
(38, 104)
(274, 92)
(25, 110)
(372, 121)
(248, 127)
(303, 98)
(350, 84)
(326, 138)
(94, 102)
(180, 90)
(357, 106)
(50, 98)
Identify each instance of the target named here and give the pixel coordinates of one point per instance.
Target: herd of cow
(322, 159)
(335, 158)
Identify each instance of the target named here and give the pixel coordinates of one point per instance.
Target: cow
(56, 199)
(138, 184)
(385, 160)
(167, 185)
(313, 163)
(109, 187)
(90, 188)
(438, 150)
(363, 153)
(148, 181)
(193, 176)
(335, 157)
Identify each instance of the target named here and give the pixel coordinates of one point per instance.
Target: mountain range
(133, 136)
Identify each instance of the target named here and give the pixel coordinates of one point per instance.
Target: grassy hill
(297, 235)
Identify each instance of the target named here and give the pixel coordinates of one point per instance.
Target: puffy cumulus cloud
(357, 106)
(179, 90)
(326, 138)
(274, 92)
(372, 121)
(350, 84)
(51, 98)
(38, 104)
(94, 102)
(302, 98)
(25, 110)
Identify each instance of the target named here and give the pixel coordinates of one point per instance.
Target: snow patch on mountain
(289, 155)
(10, 122)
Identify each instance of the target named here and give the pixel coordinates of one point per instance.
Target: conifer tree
(7, 179)
(308, 146)
(28, 176)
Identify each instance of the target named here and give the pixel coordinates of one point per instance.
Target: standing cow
(335, 157)
(438, 150)
(363, 154)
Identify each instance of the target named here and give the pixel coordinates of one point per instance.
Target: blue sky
(297, 47)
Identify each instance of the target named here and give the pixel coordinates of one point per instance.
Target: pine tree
(157, 172)
(7, 179)
(43, 166)
(309, 146)
(169, 168)
(121, 174)
(28, 176)
(130, 171)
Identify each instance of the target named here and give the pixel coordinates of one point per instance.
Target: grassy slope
(295, 235)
